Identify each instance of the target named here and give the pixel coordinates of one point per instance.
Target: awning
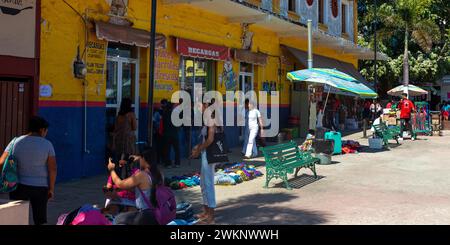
(202, 50)
(247, 56)
(127, 35)
(325, 62)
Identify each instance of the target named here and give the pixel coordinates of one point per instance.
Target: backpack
(8, 177)
(166, 208)
(85, 215)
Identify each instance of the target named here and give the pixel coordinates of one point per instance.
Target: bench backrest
(281, 154)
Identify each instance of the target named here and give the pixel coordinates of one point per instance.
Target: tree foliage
(427, 24)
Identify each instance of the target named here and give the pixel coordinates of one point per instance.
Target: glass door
(122, 82)
(245, 83)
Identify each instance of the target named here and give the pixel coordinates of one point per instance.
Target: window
(344, 18)
(199, 71)
(291, 6)
(321, 13)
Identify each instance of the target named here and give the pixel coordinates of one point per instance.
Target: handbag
(8, 175)
(217, 151)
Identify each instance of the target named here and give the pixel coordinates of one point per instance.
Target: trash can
(336, 137)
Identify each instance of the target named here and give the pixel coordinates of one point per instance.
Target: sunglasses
(12, 11)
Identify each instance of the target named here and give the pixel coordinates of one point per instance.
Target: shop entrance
(245, 85)
(122, 82)
(15, 101)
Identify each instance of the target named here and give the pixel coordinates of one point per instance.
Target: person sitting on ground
(118, 200)
(144, 183)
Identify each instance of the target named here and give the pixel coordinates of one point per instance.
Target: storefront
(204, 42)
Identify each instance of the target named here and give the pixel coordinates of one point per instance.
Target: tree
(409, 17)
(425, 57)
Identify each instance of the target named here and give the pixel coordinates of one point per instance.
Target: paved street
(407, 184)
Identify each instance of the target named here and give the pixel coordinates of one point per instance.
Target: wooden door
(15, 109)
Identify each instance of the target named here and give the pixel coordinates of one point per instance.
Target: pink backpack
(166, 209)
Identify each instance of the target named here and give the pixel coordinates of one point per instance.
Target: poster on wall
(166, 73)
(18, 39)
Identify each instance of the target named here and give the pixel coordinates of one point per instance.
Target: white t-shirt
(253, 116)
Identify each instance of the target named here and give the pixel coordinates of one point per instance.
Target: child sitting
(306, 146)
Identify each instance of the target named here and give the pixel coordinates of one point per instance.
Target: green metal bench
(283, 159)
(385, 133)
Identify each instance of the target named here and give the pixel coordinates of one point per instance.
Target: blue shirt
(32, 153)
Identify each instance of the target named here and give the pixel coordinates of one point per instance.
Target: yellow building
(223, 44)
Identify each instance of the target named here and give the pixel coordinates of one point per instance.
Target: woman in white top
(254, 121)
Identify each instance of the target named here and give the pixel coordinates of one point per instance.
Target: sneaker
(412, 138)
(178, 166)
(401, 139)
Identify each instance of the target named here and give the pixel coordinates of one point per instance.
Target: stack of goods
(185, 181)
(350, 146)
(236, 173)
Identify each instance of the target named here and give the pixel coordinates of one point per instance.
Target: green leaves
(428, 40)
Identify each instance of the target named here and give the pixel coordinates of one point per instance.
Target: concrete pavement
(407, 184)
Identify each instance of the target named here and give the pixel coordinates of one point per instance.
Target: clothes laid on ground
(350, 146)
(226, 174)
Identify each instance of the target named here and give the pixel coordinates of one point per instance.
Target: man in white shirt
(254, 121)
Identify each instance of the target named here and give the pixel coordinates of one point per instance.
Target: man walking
(406, 106)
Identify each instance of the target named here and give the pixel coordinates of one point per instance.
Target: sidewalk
(407, 184)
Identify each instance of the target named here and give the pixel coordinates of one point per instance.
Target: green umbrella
(333, 78)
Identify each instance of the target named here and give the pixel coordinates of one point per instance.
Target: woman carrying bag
(212, 150)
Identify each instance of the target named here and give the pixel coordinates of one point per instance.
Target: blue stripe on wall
(67, 135)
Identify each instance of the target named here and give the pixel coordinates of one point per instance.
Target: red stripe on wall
(145, 105)
(57, 103)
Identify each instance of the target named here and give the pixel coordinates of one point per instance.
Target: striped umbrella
(335, 79)
(411, 90)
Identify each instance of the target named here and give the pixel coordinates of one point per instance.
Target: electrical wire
(85, 26)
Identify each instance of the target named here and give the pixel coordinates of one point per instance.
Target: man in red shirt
(406, 107)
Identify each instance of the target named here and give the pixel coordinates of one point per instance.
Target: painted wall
(80, 149)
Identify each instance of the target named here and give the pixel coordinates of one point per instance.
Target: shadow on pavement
(264, 209)
(299, 181)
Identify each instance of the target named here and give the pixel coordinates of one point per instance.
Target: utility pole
(151, 71)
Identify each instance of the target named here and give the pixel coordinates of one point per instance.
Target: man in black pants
(170, 138)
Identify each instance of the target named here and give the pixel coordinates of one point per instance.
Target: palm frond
(425, 32)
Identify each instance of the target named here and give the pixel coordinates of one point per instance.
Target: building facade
(222, 44)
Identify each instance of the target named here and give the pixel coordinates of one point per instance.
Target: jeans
(142, 217)
(207, 182)
(38, 197)
(251, 144)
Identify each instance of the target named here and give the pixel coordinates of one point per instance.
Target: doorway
(15, 109)
(246, 75)
(122, 81)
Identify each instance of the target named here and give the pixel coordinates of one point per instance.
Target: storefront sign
(202, 50)
(96, 57)
(17, 25)
(166, 72)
